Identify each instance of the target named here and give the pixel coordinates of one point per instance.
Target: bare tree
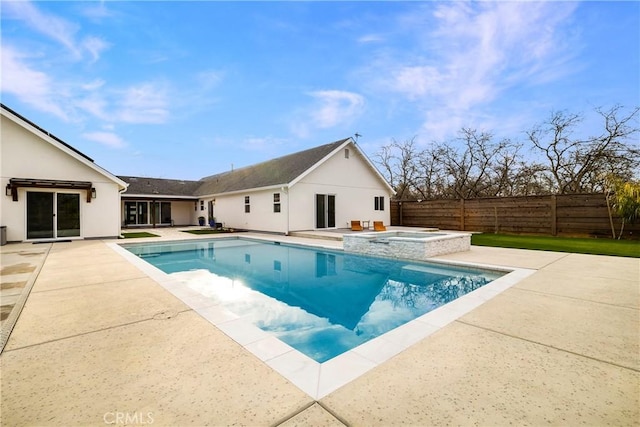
(578, 165)
(398, 161)
(477, 166)
(474, 165)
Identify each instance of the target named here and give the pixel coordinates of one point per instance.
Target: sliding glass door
(40, 215)
(67, 215)
(147, 213)
(325, 211)
(52, 215)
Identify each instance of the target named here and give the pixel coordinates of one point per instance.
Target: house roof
(282, 171)
(279, 171)
(160, 186)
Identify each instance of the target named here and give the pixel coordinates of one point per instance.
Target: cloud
(143, 103)
(331, 108)
(471, 54)
(51, 26)
(97, 11)
(55, 28)
(95, 46)
(105, 138)
(209, 79)
(335, 107)
(371, 38)
(32, 87)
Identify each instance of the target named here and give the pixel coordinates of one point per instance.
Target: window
(276, 202)
(378, 203)
(201, 205)
(247, 205)
(346, 153)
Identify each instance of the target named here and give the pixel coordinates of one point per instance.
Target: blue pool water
(321, 302)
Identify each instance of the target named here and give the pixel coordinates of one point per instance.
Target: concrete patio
(99, 342)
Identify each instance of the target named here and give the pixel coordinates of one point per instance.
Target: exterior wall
(353, 183)
(182, 213)
(26, 155)
(229, 210)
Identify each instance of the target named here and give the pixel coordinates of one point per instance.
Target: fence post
(462, 214)
(554, 215)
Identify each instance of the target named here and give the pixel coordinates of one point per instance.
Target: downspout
(286, 191)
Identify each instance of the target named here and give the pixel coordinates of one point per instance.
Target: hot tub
(407, 244)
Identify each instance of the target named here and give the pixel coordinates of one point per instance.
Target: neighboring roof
(280, 171)
(60, 144)
(158, 186)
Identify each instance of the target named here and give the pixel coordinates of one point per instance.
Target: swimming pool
(314, 378)
(322, 303)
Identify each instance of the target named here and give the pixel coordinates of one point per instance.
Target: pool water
(320, 302)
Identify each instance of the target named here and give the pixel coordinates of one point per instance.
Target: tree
(475, 165)
(399, 165)
(577, 165)
(623, 198)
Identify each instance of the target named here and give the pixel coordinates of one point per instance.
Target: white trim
(158, 196)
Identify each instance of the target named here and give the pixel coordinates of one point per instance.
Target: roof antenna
(357, 135)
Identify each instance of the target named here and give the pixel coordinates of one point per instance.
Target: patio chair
(379, 226)
(356, 226)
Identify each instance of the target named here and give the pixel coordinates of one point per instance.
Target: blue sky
(186, 89)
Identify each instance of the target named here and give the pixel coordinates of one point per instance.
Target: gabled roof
(159, 186)
(280, 171)
(58, 143)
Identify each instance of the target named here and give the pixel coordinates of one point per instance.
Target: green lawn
(135, 235)
(209, 231)
(627, 248)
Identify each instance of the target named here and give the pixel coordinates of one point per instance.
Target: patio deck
(98, 339)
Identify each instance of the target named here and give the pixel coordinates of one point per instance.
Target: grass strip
(625, 248)
(205, 231)
(138, 234)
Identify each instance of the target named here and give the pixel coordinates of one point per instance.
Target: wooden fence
(556, 215)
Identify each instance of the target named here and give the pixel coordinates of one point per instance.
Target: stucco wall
(353, 183)
(230, 211)
(26, 155)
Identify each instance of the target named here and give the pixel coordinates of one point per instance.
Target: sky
(184, 90)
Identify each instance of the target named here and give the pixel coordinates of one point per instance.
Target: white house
(52, 191)
(321, 188)
(55, 192)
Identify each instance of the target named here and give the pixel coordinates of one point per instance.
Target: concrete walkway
(98, 342)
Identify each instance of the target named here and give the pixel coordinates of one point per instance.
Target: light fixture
(93, 192)
(7, 190)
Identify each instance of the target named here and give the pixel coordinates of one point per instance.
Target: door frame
(329, 211)
(54, 194)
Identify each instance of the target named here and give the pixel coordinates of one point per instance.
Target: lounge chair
(356, 226)
(378, 226)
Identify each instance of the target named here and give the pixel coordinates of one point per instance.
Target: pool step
(321, 235)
